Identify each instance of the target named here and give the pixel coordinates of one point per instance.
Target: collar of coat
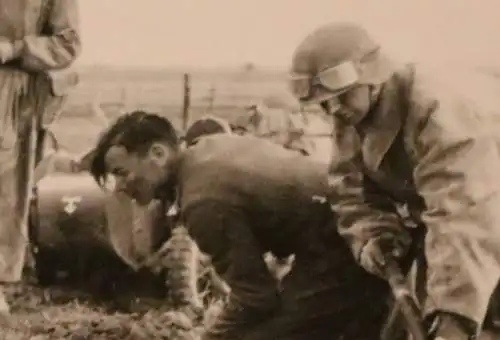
(387, 117)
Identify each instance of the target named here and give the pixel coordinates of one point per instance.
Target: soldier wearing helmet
(402, 136)
(205, 126)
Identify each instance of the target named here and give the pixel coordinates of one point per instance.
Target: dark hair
(135, 131)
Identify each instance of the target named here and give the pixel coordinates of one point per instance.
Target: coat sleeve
(60, 47)
(222, 233)
(457, 174)
(363, 211)
(182, 256)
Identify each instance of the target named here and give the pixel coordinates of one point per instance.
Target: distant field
(76, 134)
(227, 93)
(161, 91)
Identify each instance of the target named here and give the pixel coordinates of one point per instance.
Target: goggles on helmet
(336, 79)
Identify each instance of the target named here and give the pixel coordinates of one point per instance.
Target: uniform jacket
(242, 196)
(49, 30)
(39, 39)
(39, 78)
(426, 146)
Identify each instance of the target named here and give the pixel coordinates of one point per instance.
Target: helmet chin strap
(331, 106)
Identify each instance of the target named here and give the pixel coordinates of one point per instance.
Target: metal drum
(71, 238)
(68, 209)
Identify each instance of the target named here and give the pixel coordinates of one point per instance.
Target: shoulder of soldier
(440, 86)
(216, 154)
(451, 107)
(205, 162)
(421, 90)
(207, 170)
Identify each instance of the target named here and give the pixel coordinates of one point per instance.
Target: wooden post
(211, 98)
(187, 101)
(123, 100)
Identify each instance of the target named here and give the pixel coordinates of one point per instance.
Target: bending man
(240, 197)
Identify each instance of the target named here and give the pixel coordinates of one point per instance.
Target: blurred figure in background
(282, 120)
(37, 38)
(279, 119)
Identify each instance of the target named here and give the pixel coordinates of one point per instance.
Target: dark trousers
(327, 296)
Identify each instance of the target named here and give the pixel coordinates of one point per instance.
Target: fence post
(211, 98)
(186, 102)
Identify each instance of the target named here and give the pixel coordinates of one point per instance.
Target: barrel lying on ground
(74, 244)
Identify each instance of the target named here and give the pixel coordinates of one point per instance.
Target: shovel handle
(404, 300)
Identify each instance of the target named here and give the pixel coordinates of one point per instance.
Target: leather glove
(448, 326)
(378, 250)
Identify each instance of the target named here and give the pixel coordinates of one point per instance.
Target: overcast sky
(210, 33)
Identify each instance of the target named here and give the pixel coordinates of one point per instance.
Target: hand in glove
(378, 250)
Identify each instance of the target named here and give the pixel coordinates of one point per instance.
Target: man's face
(139, 175)
(351, 106)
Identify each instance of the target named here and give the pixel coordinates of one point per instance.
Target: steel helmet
(335, 57)
(207, 125)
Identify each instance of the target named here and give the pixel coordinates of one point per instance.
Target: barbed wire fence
(181, 96)
(164, 90)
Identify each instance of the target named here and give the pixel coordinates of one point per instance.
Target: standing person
(402, 135)
(37, 38)
(240, 197)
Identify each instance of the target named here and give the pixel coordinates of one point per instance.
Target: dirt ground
(62, 313)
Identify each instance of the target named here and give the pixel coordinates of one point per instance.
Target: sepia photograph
(249, 170)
